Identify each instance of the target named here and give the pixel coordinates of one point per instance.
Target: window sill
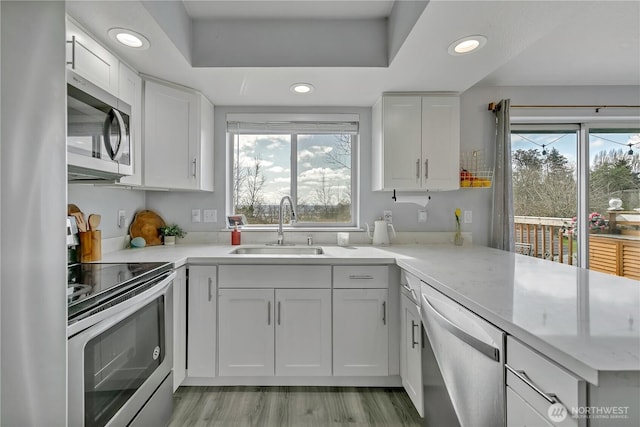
(245, 229)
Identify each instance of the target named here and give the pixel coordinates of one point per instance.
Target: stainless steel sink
(278, 250)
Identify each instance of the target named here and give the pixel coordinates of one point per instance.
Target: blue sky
(566, 143)
(312, 163)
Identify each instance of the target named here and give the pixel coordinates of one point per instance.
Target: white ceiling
(288, 9)
(531, 43)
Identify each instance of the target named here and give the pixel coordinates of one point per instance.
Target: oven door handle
(96, 324)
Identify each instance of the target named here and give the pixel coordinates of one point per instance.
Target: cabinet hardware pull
(194, 166)
(413, 336)
(418, 169)
(551, 398)
(384, 312)
(360, 277)
(73, 52)
(268, 312)
(488, 350)
(210, 288)
(278, 312)
(426, 169)
(413, 292)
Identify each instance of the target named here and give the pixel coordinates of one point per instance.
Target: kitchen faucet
(280, 216)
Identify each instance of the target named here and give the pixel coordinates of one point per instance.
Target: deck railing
(543, 237)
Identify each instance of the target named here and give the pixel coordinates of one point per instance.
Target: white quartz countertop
(588, 322)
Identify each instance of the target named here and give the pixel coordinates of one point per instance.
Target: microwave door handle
(106, 132)
(122, 135)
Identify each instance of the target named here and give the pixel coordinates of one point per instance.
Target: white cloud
(278, 169)
(331, 176)
(281, 179)
(596, 143)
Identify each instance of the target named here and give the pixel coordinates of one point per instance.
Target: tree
(543, 185)
(612, 173)
(325, 196)
(252, 203)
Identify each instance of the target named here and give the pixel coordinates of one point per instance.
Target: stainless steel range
(119, 334)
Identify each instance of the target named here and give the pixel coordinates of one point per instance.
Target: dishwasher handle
(484, 348)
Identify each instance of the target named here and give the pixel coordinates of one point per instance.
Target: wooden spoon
(94, 221)
(82, 225)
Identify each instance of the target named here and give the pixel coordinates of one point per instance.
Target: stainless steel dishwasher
(463, 367)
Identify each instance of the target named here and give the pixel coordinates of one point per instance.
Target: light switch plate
(468, 217)
(122, 221)
(422, 216)
(195, 215)
(210, 215)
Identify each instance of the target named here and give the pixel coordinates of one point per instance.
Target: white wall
(476, 133)
(33, 269)
(106, 201)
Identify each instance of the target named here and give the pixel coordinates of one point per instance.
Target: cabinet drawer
(360, 276)
(274, 276)
(532, 376)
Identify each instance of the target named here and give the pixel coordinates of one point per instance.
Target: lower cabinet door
(303, 332)
(521, 414)
(246, 332)
(360, 332)
(201, 337)
(179, 327)
(412, 354)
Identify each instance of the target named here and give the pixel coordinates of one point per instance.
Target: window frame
(293, 162)
(583, 165)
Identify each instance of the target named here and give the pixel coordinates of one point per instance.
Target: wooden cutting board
(146, 224)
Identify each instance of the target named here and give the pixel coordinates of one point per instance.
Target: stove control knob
(156, 353)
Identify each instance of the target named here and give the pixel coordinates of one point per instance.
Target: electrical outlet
(388, 216)
(121, 218)
(468, 217)
(210, 215)
(422, 216)
(195, 215)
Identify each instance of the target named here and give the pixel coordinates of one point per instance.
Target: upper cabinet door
(131, 92)
(416, 142)
(92, 61)
(178, 138)
(440, 143)
(402, 134)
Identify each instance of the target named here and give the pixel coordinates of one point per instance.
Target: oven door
(116, 365)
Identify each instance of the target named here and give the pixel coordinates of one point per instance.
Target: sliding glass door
(577, 195)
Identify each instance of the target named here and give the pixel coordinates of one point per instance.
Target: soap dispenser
(235, 235)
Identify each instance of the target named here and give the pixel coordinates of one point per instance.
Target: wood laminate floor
(293, 407)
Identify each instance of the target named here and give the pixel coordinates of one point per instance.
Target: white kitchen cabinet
(537, 386)
(89, 59)
(130, 91)
(416, 142)
(411, 352)
(360, 332)
(246, 332)
(201, 337)
(282, 332)
(303, 332)
(179, 327)
(178, 138)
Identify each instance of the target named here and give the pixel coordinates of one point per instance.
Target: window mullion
(294, 168)
(583, 196)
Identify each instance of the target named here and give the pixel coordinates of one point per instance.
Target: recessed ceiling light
(129, 38)
(467, 45)
(301, 88)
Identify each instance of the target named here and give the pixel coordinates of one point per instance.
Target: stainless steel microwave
(98, 138)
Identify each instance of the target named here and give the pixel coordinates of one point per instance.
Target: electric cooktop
(90, 284)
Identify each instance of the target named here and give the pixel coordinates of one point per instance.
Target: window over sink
(310, 158)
